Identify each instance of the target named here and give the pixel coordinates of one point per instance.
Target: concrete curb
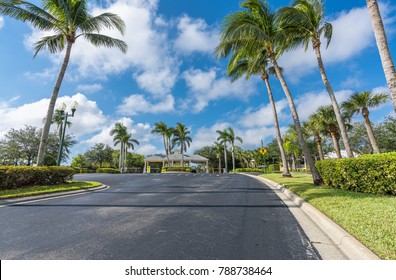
(6, 202)
(349, 245)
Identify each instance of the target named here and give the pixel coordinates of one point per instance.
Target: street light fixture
(64, 116)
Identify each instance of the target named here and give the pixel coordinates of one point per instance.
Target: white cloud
(90, 88)
(148, 53)
(1, 22)
(205, 87)
(195, 36)
(309, 102)
(352, 33)
(263, 116)
(136, 103)
(206, 136)
(88, 117)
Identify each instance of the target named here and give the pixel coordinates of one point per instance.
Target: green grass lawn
(370, 218)
(37, 190)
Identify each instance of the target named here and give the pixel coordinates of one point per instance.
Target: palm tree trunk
(370, 134)
(336, 144)
(293, 157)
(233, 158)
(219, 163)
(285, 171)
(166, 148)
(382, 44)
(317, 179)
(181, 151)
(334, 103)
(318, 141)
(225, 158)
(120, 161)
(51, 106)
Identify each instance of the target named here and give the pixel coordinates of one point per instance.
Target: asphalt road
(157, 216)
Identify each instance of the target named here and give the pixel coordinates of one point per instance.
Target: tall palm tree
(69, 20)
(223, 138)
(160, 128)
(254, 61)
(383, 48)
(58, 119)
(305, 22)
(326, 117)
(360, 102)
(181, 138)
(218, 149)
(232, 138)
(128, 142)
(313, 128)
(257, 26)
(120, 134)
(291, 146)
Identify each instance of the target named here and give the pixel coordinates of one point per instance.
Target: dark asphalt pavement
(157, 216)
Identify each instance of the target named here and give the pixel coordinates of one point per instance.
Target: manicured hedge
(273, 168)
(247, 170)
(12, 177)
(176, 169)
(107, 170)
(368, 174)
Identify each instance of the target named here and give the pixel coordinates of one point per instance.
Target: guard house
(175, 160)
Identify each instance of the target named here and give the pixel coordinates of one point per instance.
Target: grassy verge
(370, 218)
(37, 190)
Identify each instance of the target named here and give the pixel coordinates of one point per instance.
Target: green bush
(12, 177)
(273, 168)
(247, 170)
(176, 169)
(367, 174)
(107, 170)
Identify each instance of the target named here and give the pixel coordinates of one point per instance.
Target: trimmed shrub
(176, 169)
(368, 173)
(273, 168)
(247, 170)
(107, 170)
(12, 177)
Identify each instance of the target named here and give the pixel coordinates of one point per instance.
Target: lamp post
(64, 116)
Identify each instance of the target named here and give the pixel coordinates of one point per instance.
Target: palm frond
(54, 43)
(105, 20)
(105, 41)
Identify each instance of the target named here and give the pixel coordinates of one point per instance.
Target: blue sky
(170, 74)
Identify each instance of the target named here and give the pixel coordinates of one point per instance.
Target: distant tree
(361, 102)
(232, 138)
(182, 139)
(79, 161)
(99, 154)
(160, 128)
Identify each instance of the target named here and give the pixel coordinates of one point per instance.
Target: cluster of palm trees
(124, 139)
(68, 20)
(323, 121)
(226, 135)
(256, 37)
(172, 137)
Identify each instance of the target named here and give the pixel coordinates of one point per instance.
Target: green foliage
(368, 174)
(12, 177)
(273, 168)
(247, 170)
(107, 170)
(175, 169)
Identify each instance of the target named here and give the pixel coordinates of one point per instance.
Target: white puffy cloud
(263, 116)
(205, 86)
(155, 69)
(88, 117)
(137, 103)
(352, 33)
(195, 36)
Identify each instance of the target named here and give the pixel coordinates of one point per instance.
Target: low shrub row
(176, 169)
(273, 168)
(367, 174)
(247, 170)
(12, 177)
(107, 170)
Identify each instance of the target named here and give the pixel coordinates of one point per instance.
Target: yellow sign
(263, 151)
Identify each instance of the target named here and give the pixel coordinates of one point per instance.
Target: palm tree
(68, 20)
(58, 119)
(181, 139)
(360, 102)
(232, 138)
(128, 143)
(313, 128)
(326, 117)
(218, 149)
(223, 138)
(305, 22)
(291, 146)
(251, 61)
(160, 128)
(382, 44)
(257, 27)
(120, 134)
